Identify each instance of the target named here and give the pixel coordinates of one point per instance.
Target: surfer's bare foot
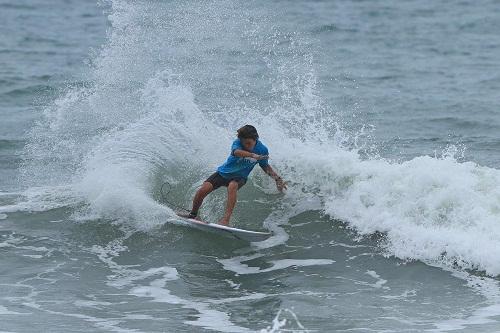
(224, 221)
(186, 215)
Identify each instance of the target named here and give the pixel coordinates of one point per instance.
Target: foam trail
(236, 264)
(157, 289)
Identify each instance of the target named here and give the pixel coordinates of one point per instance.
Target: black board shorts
(217, 180)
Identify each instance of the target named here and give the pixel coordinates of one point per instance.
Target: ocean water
(382, 116)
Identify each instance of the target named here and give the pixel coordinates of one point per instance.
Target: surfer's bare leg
(232, 193)
(202, 192)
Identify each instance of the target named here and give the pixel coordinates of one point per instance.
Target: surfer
(246, 151)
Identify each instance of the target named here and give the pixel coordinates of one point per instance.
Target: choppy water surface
(383, 117)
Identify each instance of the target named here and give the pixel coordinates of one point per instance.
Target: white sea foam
(237, 265)
(379, 281)
(6, 311)
(429, 208)
(38, 199)
(285, 321)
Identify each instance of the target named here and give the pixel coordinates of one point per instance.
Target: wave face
(162, 99)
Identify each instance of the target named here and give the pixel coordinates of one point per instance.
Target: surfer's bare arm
(244, 153)
(280, 183)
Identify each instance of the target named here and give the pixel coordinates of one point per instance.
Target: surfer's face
(248, 144)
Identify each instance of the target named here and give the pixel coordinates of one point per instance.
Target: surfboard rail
(235, 233)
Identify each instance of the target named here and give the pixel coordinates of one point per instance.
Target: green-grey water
(382, 117)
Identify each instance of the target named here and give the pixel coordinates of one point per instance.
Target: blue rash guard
(240, 167)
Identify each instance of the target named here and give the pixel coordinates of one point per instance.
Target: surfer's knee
(206, 188)
(232, 186)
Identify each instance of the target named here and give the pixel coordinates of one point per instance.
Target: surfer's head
(248, 137)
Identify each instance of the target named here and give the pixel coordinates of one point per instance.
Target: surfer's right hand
(281, 185)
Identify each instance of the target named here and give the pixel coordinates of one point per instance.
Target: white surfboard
(246, 235)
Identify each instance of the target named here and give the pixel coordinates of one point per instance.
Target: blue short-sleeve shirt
(240, 167)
